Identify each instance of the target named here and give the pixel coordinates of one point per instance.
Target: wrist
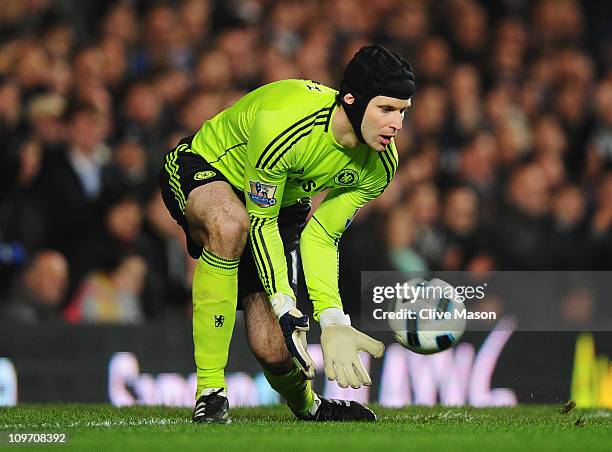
(282, 304)
(333, 316)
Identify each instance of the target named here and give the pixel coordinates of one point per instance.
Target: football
(427, 318)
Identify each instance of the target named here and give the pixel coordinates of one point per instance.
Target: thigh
(214, 211)
(198, 196)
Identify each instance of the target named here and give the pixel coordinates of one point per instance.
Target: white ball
(429, 319)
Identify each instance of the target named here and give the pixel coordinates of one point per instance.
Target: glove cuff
(281, 304)
(333, 316)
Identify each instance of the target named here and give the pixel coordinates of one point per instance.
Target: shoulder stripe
(294, 142)
(308, 127)
(331, 110)
(391, 161)
(267, 150)
(392, 154)
(386, 166)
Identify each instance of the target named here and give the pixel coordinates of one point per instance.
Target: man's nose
(397, 122)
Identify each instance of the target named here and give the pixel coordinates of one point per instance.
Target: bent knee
(217, 219)
(227, 237)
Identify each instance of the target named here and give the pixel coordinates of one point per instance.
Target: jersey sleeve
(319, 246)
(264, 182)
(320, 239)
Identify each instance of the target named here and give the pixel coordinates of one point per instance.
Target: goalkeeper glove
(341, 344)
(294, 325)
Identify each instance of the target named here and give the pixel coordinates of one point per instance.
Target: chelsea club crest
(346, 177)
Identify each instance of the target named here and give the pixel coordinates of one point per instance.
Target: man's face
(383, 120)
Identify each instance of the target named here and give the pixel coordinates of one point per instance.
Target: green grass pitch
(102, 427)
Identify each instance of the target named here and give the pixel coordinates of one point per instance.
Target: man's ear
(348, 98)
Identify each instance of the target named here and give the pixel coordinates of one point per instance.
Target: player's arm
(264, 183)
(341, 343)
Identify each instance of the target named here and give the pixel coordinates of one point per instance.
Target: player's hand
(294, 325)
(341, 344)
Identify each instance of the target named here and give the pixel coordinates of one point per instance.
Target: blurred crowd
(505, 156)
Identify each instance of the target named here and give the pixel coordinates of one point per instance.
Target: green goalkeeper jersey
(277, 145)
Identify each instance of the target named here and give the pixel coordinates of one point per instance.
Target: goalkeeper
(248, 175)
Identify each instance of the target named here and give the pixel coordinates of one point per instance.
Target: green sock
(215, 293)
(295, 389)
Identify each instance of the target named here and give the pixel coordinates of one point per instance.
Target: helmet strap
(355, 113)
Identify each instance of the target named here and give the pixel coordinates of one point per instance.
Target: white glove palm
(341, 344)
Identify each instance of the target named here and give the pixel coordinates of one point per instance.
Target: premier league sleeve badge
(262, 194)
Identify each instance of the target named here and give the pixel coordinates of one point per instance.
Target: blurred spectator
(424, 205)
(120, 22)
(601, 229)
(197, 108)
(461, 235)
(111, 295)
(195, 20)
(429, 115)
(557, 22)
(599, 155)
(39, 293)
(21, 217)
(571, 106)
(44, 113)
(522, 232)
(70, 183)
(10, 108)
(128, 171)
(121, 231)
(465, 98)
(32, 67)
(469, 31)
(167, 287)
(172, 85)
(142, 121)
(478, 162)
(434, 60)
(113, 52)
(572, 248)
(548, 136)
(399, 234)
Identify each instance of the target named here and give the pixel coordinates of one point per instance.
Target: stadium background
(505, 164)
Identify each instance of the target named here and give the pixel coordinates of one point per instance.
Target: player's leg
(217, 222)
(263, 330)
(268, 346)
(266, 339)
